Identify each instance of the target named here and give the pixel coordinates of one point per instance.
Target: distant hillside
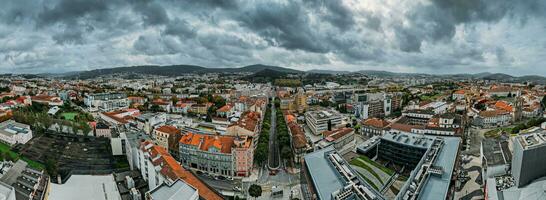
(259, 70)
(265, 75)
(176, 70)
(498, 76)
(380, 73)
(259, 67)
(320, 71)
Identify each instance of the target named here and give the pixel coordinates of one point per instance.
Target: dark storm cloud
(336, 13)
(224, 4)
(286, 25)
(70, 11)
(181, 28)
(238, 31)
(152, 12)
(437, 21)
(69, 36)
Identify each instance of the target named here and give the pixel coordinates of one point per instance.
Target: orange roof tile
(336, 134)
(225, 108)
(375, 122)
(169, 130)
(459, 92)
(249, 121)
(504, 106)
(205, 142)
(403, 127)
(492, 113)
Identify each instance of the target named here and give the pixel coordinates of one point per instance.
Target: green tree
(261, 154)
(51, 167)
(155, 108)
(86, 129)
(255, 191)
(543, 102)
(286, 153)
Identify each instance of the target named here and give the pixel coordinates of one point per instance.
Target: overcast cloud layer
(430, 36)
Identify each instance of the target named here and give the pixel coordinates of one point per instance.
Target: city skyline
(428, 36)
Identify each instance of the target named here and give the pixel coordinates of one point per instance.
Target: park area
(69, 115)
(378, 176)
(375, 174)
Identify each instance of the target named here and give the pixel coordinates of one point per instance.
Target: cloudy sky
(431, 36)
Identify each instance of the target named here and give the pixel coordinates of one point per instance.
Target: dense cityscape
(272, 100)
(270, 133)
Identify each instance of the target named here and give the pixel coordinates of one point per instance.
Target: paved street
(472, 188)
(288, 183)
(225, 185)
(274, 157)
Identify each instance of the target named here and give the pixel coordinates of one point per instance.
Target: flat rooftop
(531, 191)
(323, 114)
(496, 151)
(10, 128)
(177, 190)
(324, 177)
(6, 191)
(437, 187)
(368, 144)
(533, 138)
(331, 175)
(409, 139)
(437, 166)
(96, 187)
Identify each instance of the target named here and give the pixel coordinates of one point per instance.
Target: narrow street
(274, 157)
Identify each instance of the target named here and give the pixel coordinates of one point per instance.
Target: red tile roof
(225, 108)
(298, 136)
(375, 122)
(336, 134)
(492, 113)
(205, 142)
(249, 121)
(504, 106)
(403, 127)
(459, 92)
(169, 130)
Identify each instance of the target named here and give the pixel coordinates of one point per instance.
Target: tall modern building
(528, 161)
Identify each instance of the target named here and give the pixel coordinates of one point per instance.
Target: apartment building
(217, 155)
(168, 137)
(247, 125)
(103, 130)
(160, 169)
(148, 121)
(373, 126)
(106, 102)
